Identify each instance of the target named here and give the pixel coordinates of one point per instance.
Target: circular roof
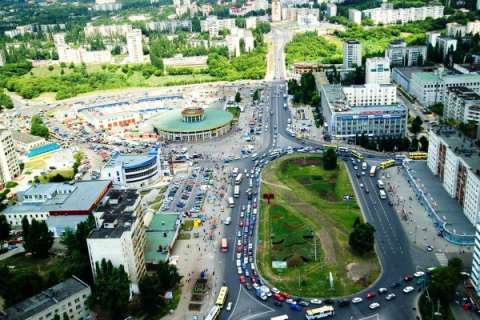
(172, 121)
(190, 112)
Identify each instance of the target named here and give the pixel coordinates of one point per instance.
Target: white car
(361, 185)
(357, 300)
(408, 289)
(374, 305)
(316, 301)
(239, 270)
(239, 255)
(419, 274)
(229, 306)
(239, 263)
(390, 296)
(275, 290)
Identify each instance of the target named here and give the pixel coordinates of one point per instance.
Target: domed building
(192, 124)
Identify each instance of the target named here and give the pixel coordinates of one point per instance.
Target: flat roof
(159, 235)
(45, 299)
(24, 137)
(163, 221)
(172, 121)
(83, 197)
(131, 161)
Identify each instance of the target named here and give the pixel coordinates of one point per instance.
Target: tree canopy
(362, 238)
(37, 239)
(38, 128)
(330, 159)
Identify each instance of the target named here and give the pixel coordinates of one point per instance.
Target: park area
(307, 225)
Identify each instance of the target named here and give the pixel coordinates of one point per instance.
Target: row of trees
(304, 92)
(391, 144)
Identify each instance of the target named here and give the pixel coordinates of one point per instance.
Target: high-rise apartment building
(134, 46)
(386, 14)
(352, 54)
(276, 11)
(9, 167)
(401, 55)
(377, 70)
(462, 104)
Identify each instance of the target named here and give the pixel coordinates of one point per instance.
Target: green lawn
(22, 264)
(235, 111)
(309, 217)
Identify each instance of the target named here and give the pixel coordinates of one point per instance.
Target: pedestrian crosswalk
(442, 259)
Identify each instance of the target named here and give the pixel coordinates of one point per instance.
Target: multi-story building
(68, 297)
(213, 25)
(432, 37)
(19, 31)
(377, 70)
(107, 5)
(346, 121)
(78, 55)
(401, 55)
(386, 14)
(371, 94)
(475, 274)
(276, 11)
(455, 159)
(107, 30)
(134, 46)
(235, 37)
(170, 25)
(293, 14)
(456, 30)
(447, 45)
(119, 235)
(61, 205)
(331, 10)
(430, 87)
(352, 54)
(25, 141)
(135, 171)
(9, 167)
(462, 104)
(355, 16)
(251, 22)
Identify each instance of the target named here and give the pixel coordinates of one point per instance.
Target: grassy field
(20, 264)
(307, 225)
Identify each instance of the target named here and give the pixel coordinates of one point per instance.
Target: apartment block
(447, 45)
(213, 25)
(331, 10)
(9, 167)
(355, 16)
(377, 70)
(401, 55)
(134, 46)
(119, 235)
(371, 94)
(462, 104)
(352, 54)
(386, 14)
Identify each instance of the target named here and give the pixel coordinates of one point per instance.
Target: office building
(447, 45)
(462, 105)
(386, 14)
(331, 10)
(355, 16)
(9, 167)
(371, 94)
(276, 11)
(352, 54)
(134, 46)
(119, 235)
(401, 55)
(347, 121)
(455, 159)
(68, 297)
(429, 87)
(135, 171)
(377, 70)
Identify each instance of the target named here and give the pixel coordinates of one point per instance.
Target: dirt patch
(358, 271)
(281, 186)
(328, 246)
(293, 225)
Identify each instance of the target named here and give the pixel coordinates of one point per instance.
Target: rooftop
(171, 121)
(160, 234)
(67, 196)
(131, 161)
(45, 299)
(465, 93)
(25, 137)
(118, 214)
(42, 149)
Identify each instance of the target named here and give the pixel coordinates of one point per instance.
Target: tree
(110, 292)
(5, 101)
(4, 229)
(437, 108)
(362, 238)
(423, 144)
(196, 25)
(38, 128)
(238, 98)
(37, 239)
(256, 95)
(444, 281)
(330, 159)
(416, 125)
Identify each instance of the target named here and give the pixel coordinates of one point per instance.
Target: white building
(377, 70)
(401, 55)
(9, 167)
(475, 275)
(429, 87)
(79, 55)
(213, 25)
(432, 37)
(68, 297)
(276, 11)
(462, 104)
(386, 14)
(292, 14)
(25, 141)
(134, 46)
(19, 31)
(251, 22)
(352, 54)
(135, 171)
(455, 29)
(234, 39)
(454, 159)
(331, 10)
(447, 45)
(107, 30)
(371, 94)
(119, 235)
(355, 16)
(107, 5)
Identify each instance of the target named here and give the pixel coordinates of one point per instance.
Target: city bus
(222, 297)
(373, 171)
(238, 179)
(418, 155)
(282, 317)
(357, 155)
(224, 245)
(231, 203)
(387, 164)
(236, 191)
(320, 313)
(213, 314)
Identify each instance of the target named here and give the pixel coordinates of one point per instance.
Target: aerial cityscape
(239, 159)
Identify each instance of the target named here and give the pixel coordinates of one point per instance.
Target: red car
(254, 280)
(407, 278)
(254, 204)
(241, 223)
(239, 248)
(279, 297)
(371, 295)
(242, 280)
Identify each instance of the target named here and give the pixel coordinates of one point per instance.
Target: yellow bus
(320, 313)
(222, 297)
(357, 155)
(213, 314)
(387, 164)
(418, 155)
